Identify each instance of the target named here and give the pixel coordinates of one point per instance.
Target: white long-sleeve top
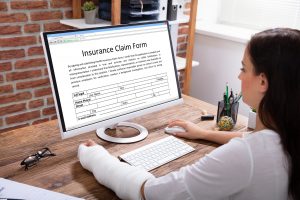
(250, 168)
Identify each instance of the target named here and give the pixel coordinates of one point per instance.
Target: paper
(14, 190)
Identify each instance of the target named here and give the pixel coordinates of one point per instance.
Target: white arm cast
(122, 178)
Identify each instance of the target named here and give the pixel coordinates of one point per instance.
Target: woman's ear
(263, 83)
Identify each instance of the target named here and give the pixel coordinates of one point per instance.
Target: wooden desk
(63, 173)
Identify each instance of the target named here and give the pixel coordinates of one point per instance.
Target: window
(255, 14)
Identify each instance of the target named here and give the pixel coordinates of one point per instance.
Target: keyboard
(157, 153)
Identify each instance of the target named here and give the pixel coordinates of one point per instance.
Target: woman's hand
(192, 130)
(195, 132)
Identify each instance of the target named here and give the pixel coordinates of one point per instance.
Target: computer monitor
(106, 75)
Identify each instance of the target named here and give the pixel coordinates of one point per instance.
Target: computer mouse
(174, 129)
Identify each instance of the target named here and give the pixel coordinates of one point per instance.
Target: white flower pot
(90, 16)
(252, 119)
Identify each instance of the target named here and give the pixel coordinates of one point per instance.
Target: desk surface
(63, 173)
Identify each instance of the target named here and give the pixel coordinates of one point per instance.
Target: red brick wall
(25, 91)
(182, 42)
(183, 34)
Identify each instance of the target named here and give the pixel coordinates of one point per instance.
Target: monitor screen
(102, 76)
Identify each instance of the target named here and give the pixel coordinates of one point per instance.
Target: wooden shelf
(116, 19)
(80, 23)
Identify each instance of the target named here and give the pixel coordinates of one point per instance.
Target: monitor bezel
(107, 122)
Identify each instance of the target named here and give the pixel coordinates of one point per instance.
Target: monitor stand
(142, 135)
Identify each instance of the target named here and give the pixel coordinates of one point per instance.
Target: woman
(262, 165)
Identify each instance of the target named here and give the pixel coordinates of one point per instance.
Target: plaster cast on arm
(122, 178)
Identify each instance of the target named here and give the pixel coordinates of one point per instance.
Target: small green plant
(253, 109)
(88, 6)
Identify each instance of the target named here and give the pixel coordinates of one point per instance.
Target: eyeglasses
(33, 159)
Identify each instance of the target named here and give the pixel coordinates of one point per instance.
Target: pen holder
(232, 111)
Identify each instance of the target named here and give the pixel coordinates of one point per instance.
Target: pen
(227, 99)
(231, 97)
(238, 97)
(225, 103)
(224, 98)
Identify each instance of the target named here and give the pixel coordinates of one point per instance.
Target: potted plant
(252, 119)
(89, 10)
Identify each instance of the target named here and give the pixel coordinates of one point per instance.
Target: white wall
(220, 62)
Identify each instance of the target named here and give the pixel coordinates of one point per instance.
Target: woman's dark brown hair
(276, 53)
